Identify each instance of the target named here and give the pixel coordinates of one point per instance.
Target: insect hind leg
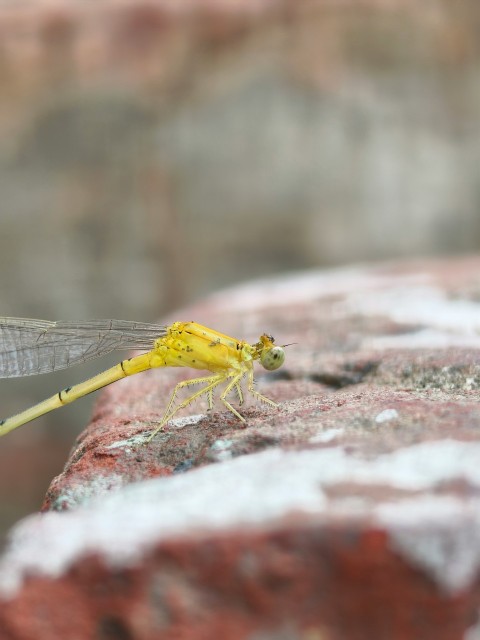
(190, 383)
(212, 382)
(239, 391)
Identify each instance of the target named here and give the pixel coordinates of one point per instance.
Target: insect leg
(233, 383)
(210, 399)
(239, 391)
(188, 383)
(168, 415)
(255, 393)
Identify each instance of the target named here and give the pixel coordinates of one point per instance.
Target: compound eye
(273, 358)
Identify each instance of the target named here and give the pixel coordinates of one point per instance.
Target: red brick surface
(350, 511)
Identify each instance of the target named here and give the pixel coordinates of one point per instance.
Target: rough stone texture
(351, 511)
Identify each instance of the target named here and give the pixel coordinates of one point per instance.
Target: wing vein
(30, 347)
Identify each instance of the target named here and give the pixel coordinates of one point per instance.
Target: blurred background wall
(153, 151)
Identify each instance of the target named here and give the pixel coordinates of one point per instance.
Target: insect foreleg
(255, 393)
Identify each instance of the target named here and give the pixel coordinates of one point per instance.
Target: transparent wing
(29, 347)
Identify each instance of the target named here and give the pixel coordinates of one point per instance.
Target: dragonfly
(31, 347)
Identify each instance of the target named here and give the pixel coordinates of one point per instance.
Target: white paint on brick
(185, 421)
(83, 492)
(438, 321)
(423, 339)
(440, 533)
(221, 449)
(386, 416)
(308, 286)
(327, 435)
(134, 441)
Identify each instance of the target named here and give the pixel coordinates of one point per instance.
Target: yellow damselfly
(30, 347)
